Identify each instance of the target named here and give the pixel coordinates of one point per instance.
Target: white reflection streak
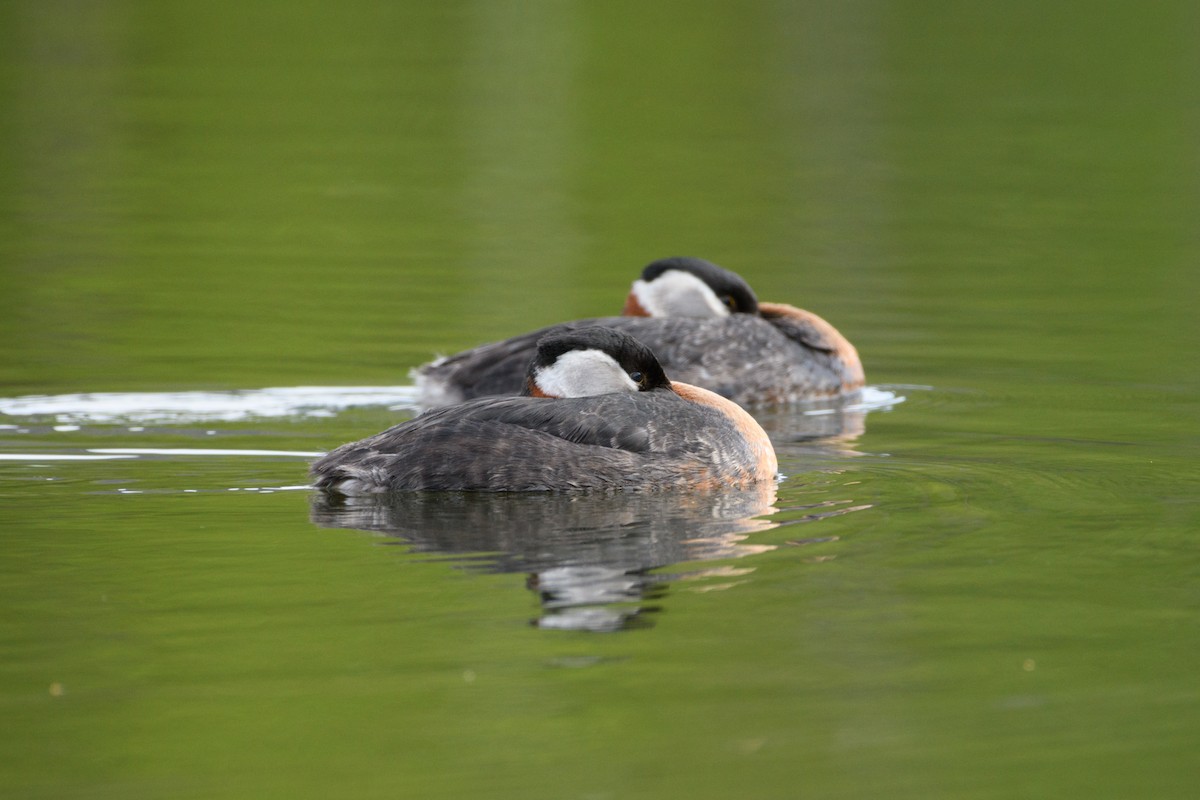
(59, 457)
(196, 451)
(182, 407)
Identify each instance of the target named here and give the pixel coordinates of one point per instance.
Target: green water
(987, 590)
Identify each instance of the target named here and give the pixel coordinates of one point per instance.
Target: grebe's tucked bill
(598, 413)
(706, 327)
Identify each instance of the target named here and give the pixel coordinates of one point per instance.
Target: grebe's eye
(637, 378)
(730, 303)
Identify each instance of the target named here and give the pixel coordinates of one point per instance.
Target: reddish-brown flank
(833, 339)
(767, 465)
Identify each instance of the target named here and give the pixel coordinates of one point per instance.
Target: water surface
(228, 232)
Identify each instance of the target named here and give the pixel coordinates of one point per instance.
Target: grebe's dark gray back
(629, 428)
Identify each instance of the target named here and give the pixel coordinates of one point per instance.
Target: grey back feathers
(644, 440)
(637, 434)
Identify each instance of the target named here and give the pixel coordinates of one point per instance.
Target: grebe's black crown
(729, 286)
(632, 355)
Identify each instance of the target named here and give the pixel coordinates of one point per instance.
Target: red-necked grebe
(706, 327)
(598, 412)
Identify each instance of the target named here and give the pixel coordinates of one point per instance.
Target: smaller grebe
(598, 413)
(705, 326)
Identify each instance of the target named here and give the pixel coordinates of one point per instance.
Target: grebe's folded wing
(514, 444)
(803, 326)
(611, 421)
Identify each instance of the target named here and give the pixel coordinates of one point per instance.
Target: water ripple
(184, 407)
(293, 401)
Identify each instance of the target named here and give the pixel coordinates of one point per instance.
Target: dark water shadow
(590, 559)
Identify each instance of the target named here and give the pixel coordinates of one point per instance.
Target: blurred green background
(238, 195)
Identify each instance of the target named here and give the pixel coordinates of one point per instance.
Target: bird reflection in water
(829, 427)
(590, 558)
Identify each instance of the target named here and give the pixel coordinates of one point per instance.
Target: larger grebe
(598, 413)
(705, 326)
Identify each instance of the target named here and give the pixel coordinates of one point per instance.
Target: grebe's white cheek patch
(676, 293)
(583, 373)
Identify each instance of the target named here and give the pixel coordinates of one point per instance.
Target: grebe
(706, 327)
(598, 413)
